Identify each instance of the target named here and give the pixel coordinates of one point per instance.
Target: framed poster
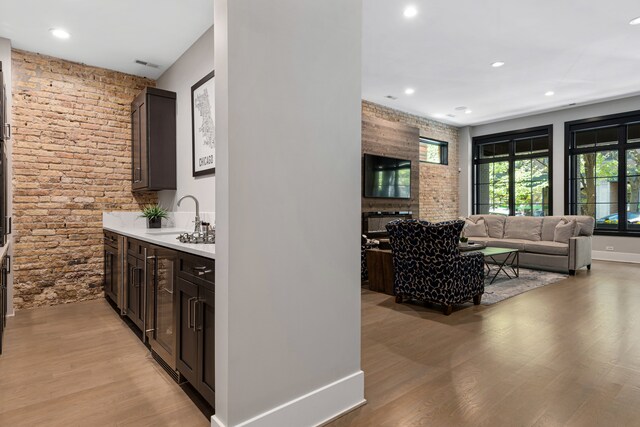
(203, 126)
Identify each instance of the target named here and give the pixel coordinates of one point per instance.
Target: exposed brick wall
(71, 162)
(438, 183)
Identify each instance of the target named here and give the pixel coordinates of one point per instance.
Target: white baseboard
(312, 409)
(616, 256)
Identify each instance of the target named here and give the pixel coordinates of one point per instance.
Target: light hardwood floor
(564, 354)
(80, 365)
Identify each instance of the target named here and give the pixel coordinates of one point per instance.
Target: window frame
(444, 150)
(621, 121)
(510, 137)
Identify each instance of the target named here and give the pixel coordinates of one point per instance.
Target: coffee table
(510, 262)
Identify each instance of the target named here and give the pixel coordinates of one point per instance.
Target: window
(432, 151)
(512, 174)
(603, 172)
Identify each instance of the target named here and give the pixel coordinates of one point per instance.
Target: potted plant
(154, 215)
(464, 241)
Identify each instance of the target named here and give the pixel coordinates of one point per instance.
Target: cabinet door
(161, 307)
(186, 325)
(111, 273)
(206, 343)
(3, 302)
(140, 173)
(133, 286)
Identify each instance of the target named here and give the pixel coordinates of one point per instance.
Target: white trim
(616, 256)
(312, 409)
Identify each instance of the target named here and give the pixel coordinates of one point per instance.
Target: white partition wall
(288, 211)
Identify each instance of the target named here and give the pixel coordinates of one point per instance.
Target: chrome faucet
(198, 227)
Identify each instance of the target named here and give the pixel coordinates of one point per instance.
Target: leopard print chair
(428, 265)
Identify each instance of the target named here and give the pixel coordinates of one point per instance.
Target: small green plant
(154, 212)
(464, 239)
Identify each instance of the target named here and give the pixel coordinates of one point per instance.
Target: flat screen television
(386, 177)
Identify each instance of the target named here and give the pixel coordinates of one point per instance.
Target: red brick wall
(438, 183)
(71, 162)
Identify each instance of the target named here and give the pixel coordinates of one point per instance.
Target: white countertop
(165, 237)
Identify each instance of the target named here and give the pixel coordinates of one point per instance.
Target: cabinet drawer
(196, 269)
(110, 238)
(136, 248)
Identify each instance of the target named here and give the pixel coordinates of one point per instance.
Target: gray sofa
(534, 238)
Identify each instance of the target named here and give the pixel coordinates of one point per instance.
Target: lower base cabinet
(196, 326)
(4, 305)
(160, 309)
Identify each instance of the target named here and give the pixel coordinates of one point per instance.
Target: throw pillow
(564, 231)
(477, 228)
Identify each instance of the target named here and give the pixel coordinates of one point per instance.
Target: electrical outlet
(609, 248)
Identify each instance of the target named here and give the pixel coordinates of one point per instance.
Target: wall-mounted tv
(386, 177)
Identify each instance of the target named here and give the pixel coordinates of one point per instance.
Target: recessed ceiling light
(391, 97)
(635, 21)
(468, 111)
(60, 33)
(497, 64)
(409, 91)
(410, 12)
(461, 108)
(549, 93)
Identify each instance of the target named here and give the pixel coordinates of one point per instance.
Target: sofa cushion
(587, 223)
(547, 248)
(495, 224)
(549, 227)
(564, 231)
(518, 244)
(475, 228)
(523, 227)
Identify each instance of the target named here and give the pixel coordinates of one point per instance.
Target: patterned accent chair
(428, 265)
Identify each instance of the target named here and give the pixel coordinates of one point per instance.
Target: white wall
(288, 211)
(625, 248)
(5, 58)
(193, 65)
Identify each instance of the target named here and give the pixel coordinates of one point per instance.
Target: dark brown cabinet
(153, 136)
(5, 136)
(161, 307)
(4, 305)
(111, 267)
(170, 296)
(134, 299)
(196, 324)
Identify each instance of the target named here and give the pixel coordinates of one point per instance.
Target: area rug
(504, 287)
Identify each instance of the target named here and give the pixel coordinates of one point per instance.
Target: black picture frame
(194, 88)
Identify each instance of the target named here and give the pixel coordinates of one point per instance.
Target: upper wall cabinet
(153, 127)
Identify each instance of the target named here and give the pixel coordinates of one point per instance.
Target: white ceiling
(108, 33)
(583, 50)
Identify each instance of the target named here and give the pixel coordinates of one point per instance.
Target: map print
(207, 129)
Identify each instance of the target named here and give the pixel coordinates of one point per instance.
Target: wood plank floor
(80, 365)
(567, 354)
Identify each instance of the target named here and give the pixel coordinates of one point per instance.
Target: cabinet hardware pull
(151, 257)
(202, 270)
(8, 130)
(189, 313)
(195, 314)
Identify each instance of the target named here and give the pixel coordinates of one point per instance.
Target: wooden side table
(380, 265)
